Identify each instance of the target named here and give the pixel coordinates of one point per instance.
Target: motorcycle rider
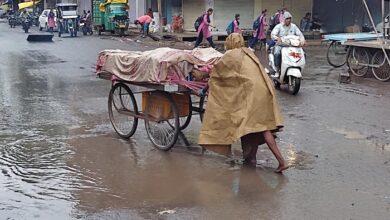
(24, 14)
(285, 28)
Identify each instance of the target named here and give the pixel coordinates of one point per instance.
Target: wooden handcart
(167, 110)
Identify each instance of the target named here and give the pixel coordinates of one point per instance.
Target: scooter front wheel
(294, 84)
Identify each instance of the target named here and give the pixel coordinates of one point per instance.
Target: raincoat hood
(234, 41)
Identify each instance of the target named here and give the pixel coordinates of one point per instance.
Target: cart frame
(163, 129)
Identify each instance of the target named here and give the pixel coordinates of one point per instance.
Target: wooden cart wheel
(121, 101)
(185, 120)
(162, 120)
(382, 72)
(202, 106)
(337, 54)
(357, 61)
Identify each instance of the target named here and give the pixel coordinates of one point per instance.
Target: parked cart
(166, 109)
(362, 52)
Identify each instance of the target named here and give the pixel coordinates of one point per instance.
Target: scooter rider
(284, 29)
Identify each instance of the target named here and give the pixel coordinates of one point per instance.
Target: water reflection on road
(60, 158)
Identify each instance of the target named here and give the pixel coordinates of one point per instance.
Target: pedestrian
(204, 31)
(51, 21)
(305, 24)
(242, 104)
(260, 30)
(88, 20)
(144, 21)
(234, 26)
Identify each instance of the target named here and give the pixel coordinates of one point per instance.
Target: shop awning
(27, 4)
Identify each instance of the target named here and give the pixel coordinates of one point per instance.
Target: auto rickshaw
(67, 19)
(111, 16)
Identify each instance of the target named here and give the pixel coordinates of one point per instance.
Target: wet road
(60, 158)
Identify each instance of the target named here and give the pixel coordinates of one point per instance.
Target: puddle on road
(135, 177)
(371, 140)
(299, 159)
(348, 134)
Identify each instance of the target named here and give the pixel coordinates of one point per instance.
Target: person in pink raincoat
(259, 33)
(204, 31)
(51, 21)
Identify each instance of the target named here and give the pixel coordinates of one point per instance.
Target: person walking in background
(275, 19)
(204, 31)
(234, 26)
(51, 21)
(259, 32)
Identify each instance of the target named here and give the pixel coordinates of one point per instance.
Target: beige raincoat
(241, 98)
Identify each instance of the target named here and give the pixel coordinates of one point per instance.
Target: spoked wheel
(185, 119)
(162, 120)
(121, 102)
(382, 71)
(337, 54)
(202, 106)
(358, 60)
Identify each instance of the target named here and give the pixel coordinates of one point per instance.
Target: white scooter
(293, 62)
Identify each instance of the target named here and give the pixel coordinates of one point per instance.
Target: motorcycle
(26, 25)
(85, 29)
(293, 63)
(12, 21)
(34, 20)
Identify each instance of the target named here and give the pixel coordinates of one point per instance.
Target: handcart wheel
(121, 101)
(202, 105)
(162, 120)
(185, 120)
(358, 60)
(382, 72)
(337, 54)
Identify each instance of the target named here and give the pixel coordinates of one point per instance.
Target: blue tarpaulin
(343, 37)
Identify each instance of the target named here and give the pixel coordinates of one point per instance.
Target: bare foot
(281, 168)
